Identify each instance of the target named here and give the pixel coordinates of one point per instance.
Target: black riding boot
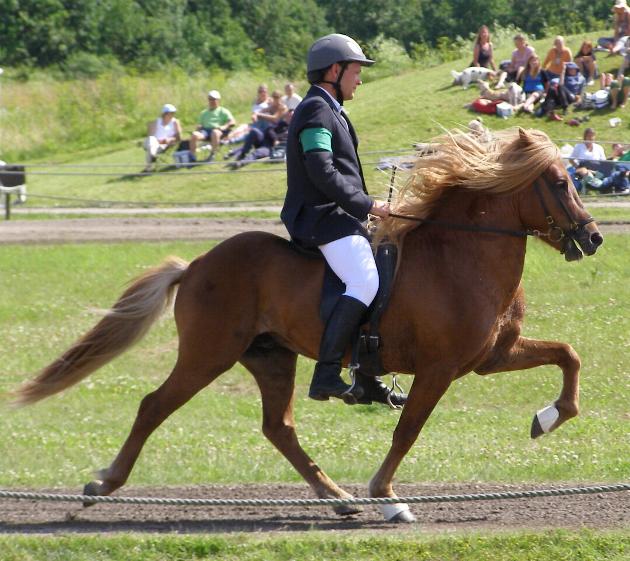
(375, 390)
(338, 333)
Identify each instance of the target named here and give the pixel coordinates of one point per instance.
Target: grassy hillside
(99, 123)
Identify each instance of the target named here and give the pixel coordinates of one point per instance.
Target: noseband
(555, 233)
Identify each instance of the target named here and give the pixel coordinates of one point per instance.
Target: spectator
(290, 99)
(214, 122)
(586, 154)
(514, 68)
(618, 89)
(621, 28)
(564, 92)
(535, 81)
(162, 133)
(586, 61)
(483, 51)
(557, 57)
(270, 115)
(273, 112)
(263, 143)
(262, 98)
(239, 134)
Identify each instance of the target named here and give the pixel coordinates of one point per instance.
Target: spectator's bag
(182, 155)
(482, 105)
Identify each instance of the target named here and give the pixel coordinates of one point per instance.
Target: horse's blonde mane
(499, 162)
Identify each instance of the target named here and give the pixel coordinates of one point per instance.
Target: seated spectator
(556, 58)
(564, 92)
(214, 123)
(588, 153)
(162, 133)
(618, 89)
(621, 28)
(290, 98)
(271, 114)
(617, 182)
(514, 68)
(535, 81)
(620, 153)
(238, 134)
(587, 63)
(483, 55)
(263, 143)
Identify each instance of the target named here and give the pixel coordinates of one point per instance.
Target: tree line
(83, 37)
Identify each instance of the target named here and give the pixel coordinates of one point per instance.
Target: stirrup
(395, 386)
(349, 396)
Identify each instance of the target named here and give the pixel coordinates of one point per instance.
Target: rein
(555, 233)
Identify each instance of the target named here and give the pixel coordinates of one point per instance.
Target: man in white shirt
(291, 99)
(588, 153)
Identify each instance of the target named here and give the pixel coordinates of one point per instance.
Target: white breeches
(352, 261)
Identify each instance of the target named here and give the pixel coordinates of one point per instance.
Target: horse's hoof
(90, 490)
(398, 513)
(347, 510)
(536, 429)
(404, 517)
(544, 421)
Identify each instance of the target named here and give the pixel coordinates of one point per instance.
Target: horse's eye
(562, 185)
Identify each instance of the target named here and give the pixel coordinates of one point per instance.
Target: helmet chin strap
(337, 85)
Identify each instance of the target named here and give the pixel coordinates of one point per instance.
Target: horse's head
(552, 208)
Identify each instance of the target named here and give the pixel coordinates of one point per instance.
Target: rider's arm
(318, 157)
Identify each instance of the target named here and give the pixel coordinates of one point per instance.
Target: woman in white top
(162, 133)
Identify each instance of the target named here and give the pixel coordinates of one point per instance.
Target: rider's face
(351, 80)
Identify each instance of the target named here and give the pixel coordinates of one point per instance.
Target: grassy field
(573, 546)
(479, 432)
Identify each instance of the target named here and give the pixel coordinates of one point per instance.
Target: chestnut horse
(457, 304)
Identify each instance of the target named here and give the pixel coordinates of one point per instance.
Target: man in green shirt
(214, 122)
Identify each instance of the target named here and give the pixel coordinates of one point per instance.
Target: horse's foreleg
(424, 395)
(529, 353)
(274, 370)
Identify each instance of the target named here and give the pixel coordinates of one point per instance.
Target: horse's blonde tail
(122, 326)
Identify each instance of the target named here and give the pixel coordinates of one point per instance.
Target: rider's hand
(380, 209)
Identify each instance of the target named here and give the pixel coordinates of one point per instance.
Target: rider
(327, 203)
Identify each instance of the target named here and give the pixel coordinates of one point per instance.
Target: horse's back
(254, 275)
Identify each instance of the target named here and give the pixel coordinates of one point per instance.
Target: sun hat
(571, 66)
(620, 4)
(168, 108)
(214, 94)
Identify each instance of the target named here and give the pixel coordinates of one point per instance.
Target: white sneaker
(590, 82)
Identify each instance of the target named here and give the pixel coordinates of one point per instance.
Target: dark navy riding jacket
(326, 196)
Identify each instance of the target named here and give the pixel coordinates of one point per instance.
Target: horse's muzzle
(588, 242)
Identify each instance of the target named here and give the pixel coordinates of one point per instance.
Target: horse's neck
(496, 258)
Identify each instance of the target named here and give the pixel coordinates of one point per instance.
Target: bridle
(554, 233)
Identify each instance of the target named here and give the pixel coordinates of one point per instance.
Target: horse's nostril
(597, 239)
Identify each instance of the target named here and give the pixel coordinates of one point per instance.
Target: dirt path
(606, 510)
(117, 229)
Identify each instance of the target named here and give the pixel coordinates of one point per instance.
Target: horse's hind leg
(273, 368)
(529, 353)
(192, 372)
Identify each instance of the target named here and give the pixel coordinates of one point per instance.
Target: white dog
(470, 75)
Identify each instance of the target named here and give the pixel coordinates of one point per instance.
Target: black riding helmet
(328, 50)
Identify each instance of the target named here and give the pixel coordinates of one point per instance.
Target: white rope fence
(89, 499)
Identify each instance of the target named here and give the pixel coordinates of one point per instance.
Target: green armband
(319, 139)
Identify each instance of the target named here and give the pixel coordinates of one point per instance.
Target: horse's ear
(523, 136)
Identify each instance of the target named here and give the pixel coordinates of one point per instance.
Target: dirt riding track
(609, 510)
(601, 511)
